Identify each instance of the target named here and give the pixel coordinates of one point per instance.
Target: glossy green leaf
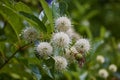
(22, 7)
(13, 18)
(87, 29)
(91, 14)
(35, 71)
(8, 31)
(48, 13)
(34, 20)
(102, 32)
(96, 45)
(55, 10)
(63, 8)
(50, 64)
(45, 73)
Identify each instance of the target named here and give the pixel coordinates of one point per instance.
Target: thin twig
(13, 55)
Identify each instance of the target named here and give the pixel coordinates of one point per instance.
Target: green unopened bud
(78, 56)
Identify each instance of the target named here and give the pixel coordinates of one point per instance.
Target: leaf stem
(13, 55)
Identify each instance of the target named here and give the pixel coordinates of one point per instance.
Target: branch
(13, 55)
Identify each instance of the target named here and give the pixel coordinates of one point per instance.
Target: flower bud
(78, 56)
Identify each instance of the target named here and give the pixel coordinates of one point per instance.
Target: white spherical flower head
(62, 24)
(30, 34)
(103, 73)
(44, 49)
(100, 59)
(82, 45)
(72, 34)
(61, 39)
(60, 63)
(113, 68)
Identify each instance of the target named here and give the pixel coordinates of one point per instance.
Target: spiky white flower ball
(61, 39)
(62, 24)
(113, 68)
(72, 34)
(60, 63)
(103, 73)
(82, 45)
(100, 59)
(44, 49)
(30, 34)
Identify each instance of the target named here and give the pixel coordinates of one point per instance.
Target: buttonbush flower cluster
(104, 73)
(65, 45)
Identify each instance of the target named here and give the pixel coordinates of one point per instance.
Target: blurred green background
(97, 20)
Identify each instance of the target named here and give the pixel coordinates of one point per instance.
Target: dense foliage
(96, 20)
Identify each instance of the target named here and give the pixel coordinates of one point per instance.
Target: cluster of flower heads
(61, 46)
(103, 72)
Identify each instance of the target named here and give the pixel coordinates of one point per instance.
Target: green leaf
(8, 34)
(96, 45)
(9, 3)
(91, 14)
(50, 64)
(16, 68)
(63, 7)
(35, 71)
(102, 32)
(55, 10)
(45, 73)
(34, 21)
(48, 13)
(87, 29)
(12, 18)
(22, 7)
